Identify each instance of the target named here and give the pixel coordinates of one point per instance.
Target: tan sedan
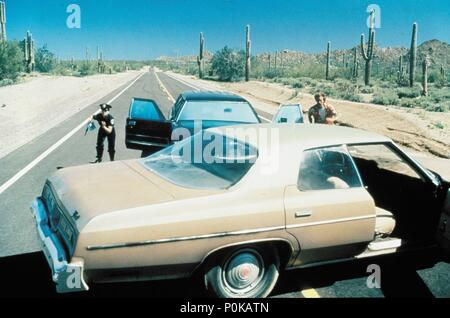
(239, 204)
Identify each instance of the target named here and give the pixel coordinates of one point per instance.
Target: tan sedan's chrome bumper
(69, 277)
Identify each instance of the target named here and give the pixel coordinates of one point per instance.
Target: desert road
(24, 171)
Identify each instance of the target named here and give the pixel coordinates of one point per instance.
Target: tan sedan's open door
(329, 211)
(443, 234)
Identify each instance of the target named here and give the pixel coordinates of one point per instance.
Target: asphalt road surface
(24, 271)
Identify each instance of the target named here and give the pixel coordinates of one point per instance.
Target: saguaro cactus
(281, 60)
(2, 22)
(98, 60)
(100, 64)
(368, 56)
(400, 69)
(425, 64)
(248, 47)
(355, 63)
(276, 59)
(200, 57)
(327, 72)
(413, 56)
(29, 52)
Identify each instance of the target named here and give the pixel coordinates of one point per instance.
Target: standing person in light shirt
(322, 112)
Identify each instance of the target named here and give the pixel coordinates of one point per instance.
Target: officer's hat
(105, 107)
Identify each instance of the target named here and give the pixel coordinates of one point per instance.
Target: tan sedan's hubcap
(243, 271)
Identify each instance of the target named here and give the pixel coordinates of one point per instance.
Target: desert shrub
(6, 82)
(298, 84)
(62, 70)
(385, 84)
(441, 82)
(11, 60)
(439, 108)
(292, 82)
(385, 98)
(272, 73)
(328, 89)
(437, 78)
(439, 125)
(352, 97)
(440, 95)
(86, 69)
(308, 81)
(367, 90)
(408, 102)
(315, 71)
(404, 82)
(45, 60)
(228, 64)
(408, 92)
(427, 103)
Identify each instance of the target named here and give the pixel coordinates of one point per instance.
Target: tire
(250, 272)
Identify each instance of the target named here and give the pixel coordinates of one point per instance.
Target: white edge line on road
(199, 88)
(42, 156)
(164, 89)
(196, 87)
(310, 293)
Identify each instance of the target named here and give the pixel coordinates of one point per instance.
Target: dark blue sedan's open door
(290, 114)
(146, 126)
(443, 235)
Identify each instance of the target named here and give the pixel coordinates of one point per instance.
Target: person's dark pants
(111, 144)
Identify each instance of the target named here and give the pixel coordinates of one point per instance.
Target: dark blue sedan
(148, 129)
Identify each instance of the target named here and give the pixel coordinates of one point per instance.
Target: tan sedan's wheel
(244, 273)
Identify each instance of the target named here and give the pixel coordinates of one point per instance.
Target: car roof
(212, 96)
(307, 136)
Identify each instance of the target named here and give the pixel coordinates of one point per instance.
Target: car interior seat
(385, 223)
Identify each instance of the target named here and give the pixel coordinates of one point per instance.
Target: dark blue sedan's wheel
(243, 273)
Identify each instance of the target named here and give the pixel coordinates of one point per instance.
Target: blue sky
(142, 29)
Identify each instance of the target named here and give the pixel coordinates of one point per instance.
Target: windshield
(219, 111)
(205, 161)
(289, 114)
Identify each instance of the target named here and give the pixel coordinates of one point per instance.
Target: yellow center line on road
(310, 293)
(164, 89)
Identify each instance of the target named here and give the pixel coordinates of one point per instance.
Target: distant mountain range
(438, 52)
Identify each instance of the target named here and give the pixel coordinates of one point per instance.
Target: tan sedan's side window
(327, 168)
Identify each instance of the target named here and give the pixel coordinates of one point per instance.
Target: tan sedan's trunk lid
(97, 189)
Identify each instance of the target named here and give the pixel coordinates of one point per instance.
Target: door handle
(303, 214)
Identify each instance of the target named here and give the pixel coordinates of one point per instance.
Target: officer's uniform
(102, 134)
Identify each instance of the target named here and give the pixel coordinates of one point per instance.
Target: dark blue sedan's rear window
(223, 111)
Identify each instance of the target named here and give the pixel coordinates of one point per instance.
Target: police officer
(106, 130)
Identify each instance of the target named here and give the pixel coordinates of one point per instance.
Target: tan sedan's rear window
(215, 162)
